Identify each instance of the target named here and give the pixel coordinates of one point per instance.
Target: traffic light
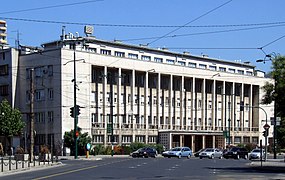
(241, 106)
(77, 110)
(72, 112)
(265, 133)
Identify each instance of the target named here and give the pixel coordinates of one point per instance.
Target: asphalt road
(149, 168)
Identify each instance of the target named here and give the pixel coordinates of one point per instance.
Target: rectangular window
(146, 58)
(50, 70)
(126, 139)
(213, 68)
(182, 63)
(232, 70)
(248, 73)
(223, 69)
(4, 70)
(158, 60)
(119, 54)
(39, 94)
(40, 117)
(169, 61)
(50, 116)
(39, 71)
(202, 66)
(98, 138)
(4, 90)
(50, 94)
(240, 72)
(193, 65)
(133, 56)
(105, 51)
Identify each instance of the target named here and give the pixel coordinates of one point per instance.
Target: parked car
(255, 154)
(144, 152)
(178, 152)
(236, 153)
(196, 154)
(211, 153)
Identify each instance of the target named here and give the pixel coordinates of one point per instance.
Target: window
(213, 68)
(169, 61)
(93, 97)
(182, 63)
(4, 70)
(248, 73)
(146, 58)
(158, 60)
(98, 138)
(133, 56)
(106, 52)
(240, 72)
(119, 54)
(50, 93)
(4, 90)
(223, 69)
(39, 95)
(232, 70)
(202, 66)
(152, 139)
(126, 139)
(140, 139)
(50, 70)
(210, 104)
(50, 116)
(39, 71)
(40, 117)
(193, 65)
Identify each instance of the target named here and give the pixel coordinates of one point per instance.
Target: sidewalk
(277, 165)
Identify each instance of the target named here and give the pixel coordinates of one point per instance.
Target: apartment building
(146, 95)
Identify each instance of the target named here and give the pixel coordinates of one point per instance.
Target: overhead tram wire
(50, 7)
(202, 33)
(141, 25)
(161, 37)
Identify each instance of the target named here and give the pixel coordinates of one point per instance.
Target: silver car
(211, 153)
(255, 154)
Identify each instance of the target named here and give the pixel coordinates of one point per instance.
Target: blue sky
(223, 29)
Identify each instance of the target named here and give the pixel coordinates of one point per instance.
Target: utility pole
(75, 112)
(32, 115)
(112, 112)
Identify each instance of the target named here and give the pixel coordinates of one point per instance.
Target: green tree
(11, 123)
(274, 92)
(83, 139)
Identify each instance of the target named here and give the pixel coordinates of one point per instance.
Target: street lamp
(268, 57)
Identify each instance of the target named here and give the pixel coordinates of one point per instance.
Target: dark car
(196, 154)
(236, 153)
(145, 152)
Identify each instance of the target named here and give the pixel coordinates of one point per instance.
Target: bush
(44, 149)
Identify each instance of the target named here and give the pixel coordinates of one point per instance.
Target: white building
(148, 95)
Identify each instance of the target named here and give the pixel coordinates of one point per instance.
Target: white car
(211, 153)
(255, 154)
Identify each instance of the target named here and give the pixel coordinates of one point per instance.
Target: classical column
(105, 103)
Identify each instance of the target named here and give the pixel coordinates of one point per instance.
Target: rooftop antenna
(63, 33)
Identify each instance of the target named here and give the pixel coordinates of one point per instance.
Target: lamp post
(266, 128)
(268, 57)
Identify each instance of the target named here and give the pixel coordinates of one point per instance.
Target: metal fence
(10, 163)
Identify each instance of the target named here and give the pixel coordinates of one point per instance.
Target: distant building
(3, 34)
(148, 95)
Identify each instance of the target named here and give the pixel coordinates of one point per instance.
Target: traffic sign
(266, 126)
